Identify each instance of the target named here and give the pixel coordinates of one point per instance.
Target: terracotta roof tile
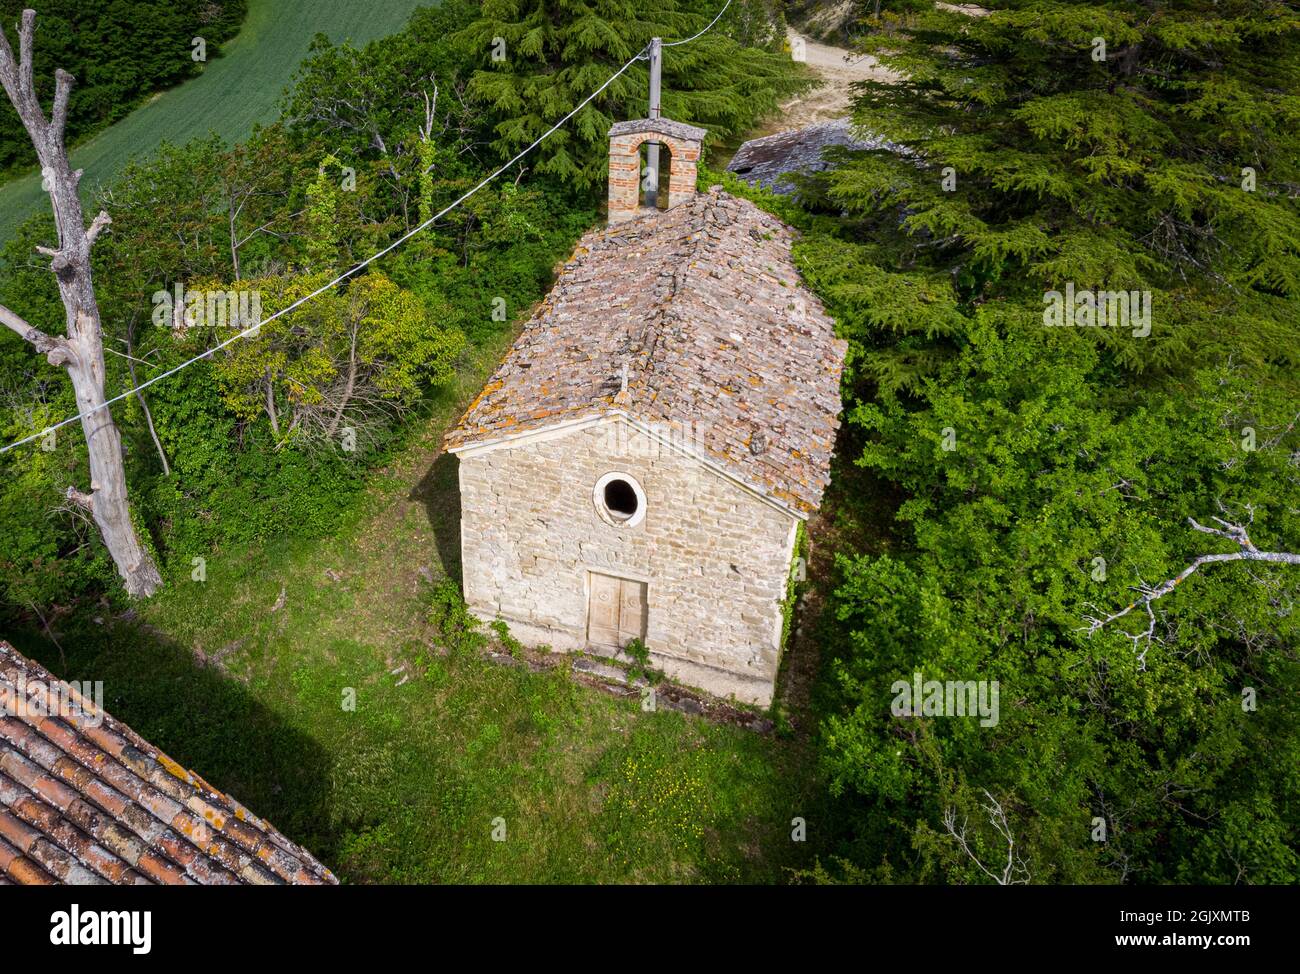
(20, 870)
(83, 799)
(723, 347)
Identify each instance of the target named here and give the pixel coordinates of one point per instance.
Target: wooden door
(616, 611)
(631, 611)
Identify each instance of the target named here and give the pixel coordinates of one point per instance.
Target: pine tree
(1021, 484)
(540, 58)
(1115, 145)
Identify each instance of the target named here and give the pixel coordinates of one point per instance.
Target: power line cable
(331, 284)
(703, 32)
(640, 56)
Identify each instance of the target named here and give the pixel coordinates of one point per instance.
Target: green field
(236, 91)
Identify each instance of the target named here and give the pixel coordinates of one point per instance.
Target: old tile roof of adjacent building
(769, 161)
(723, 347)
(90, 802)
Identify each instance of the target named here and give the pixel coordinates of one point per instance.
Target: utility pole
(652, 148)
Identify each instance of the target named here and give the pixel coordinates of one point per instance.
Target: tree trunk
(234, 239)
(270, 406)
(82, 352)
(144, 403)
(351, 384)
(107, 501)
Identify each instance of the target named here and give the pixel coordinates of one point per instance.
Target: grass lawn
(406, 787)
(234, 92)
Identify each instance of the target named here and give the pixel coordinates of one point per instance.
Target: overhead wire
(335, 282)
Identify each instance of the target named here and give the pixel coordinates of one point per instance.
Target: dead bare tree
(81, 352)
(1229, 531)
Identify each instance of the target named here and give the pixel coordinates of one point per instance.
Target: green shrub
(637, 651)
(457, 628)
(511, 645)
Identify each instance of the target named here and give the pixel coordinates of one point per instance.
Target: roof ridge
(702, 207)
(708, 205)
(679, 275)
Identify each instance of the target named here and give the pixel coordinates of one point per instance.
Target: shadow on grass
(439, 492)
(203, 718)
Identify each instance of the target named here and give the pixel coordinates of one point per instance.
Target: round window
(619, 500)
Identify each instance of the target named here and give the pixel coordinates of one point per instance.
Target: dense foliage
(1004, 489)
(1171, 165)
(119, 52)
(1017, 484)
(539, 59)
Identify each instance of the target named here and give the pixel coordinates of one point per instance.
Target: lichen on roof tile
(84, 799)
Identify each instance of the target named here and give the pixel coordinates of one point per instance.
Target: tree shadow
(205, 719)
(439, 492)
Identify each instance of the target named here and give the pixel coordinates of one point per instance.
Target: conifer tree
(1022, 485)
(540, 58)
(1114, 145)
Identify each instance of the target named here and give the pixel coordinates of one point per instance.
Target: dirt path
(838, 69)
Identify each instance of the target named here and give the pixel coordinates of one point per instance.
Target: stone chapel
(638, 465)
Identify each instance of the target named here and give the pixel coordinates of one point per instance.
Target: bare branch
(19, 326)
(26, 31)
(56, 350)
(63, 90)
(60, 260)
(1229, 531)
(16, 78)
(45, 624)
(96, 225)
(8, 66)
(84, 501)
(144, 403)
(1015, 871)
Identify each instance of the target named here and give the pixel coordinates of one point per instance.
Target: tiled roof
(722, 346)
(768, 161)
(84, 800)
